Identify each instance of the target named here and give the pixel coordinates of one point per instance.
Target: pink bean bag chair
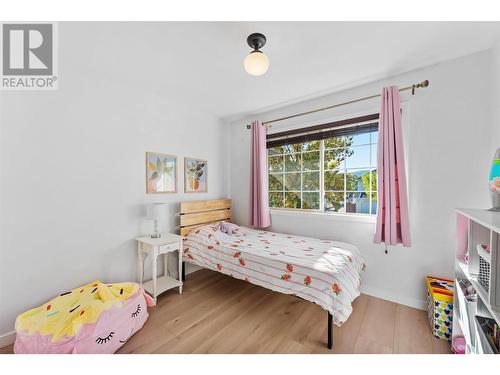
(95, 318)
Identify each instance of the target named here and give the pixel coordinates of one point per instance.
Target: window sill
(353, 218)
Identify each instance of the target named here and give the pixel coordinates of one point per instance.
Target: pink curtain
(259, 214)
(392, 211)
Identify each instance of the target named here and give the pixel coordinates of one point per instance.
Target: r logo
(27, 49)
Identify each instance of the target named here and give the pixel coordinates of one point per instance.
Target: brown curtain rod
(422, 84)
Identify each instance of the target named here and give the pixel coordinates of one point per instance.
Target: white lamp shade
(256, 63)
(156, 211)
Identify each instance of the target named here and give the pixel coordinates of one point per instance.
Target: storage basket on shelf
(440, 306)
(483, 277)
(486, 335)
(466, 297)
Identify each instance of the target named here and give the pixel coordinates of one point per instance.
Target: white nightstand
(155, 247)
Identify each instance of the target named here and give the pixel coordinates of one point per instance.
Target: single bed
(320, 271)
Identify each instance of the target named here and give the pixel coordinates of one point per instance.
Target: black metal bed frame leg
(183, 271)
(330, 331)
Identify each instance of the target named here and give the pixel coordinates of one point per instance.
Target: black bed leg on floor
(183, 271)
(330, 331)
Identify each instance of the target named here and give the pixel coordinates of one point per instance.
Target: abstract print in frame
(161, 173)
(195, 175)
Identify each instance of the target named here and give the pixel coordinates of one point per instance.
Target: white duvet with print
(324, 272)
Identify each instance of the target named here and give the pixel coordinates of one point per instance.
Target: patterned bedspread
(324, 272)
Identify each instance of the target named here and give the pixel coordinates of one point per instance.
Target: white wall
(73, 169)
(495, 98)
(448, 138)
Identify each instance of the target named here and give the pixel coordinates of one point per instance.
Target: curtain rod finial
(424, 83)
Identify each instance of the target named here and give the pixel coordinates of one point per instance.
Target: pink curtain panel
(392, 212)
(259, 214)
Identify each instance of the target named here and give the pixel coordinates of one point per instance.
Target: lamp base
(155, 235)
(495, 198)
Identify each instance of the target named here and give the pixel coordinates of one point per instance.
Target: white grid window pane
(335, 175)
(358, 156)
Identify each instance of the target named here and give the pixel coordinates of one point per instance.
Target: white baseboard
(7, 339)
(374, 292)
(388, 296)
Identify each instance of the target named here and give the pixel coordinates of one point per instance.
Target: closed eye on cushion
(106, 339)
(134, 314)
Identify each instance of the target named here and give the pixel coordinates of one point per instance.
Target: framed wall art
(195, 175)
(161, 173)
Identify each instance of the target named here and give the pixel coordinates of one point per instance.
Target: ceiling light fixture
(256, 63)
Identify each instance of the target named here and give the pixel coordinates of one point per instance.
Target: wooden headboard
(197, 213)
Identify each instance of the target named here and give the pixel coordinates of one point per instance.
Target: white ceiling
(203, 61)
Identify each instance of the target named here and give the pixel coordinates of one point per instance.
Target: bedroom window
(294, 175)
(333, 174)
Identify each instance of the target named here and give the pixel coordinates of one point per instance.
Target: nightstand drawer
(162, 249)
(168, 248)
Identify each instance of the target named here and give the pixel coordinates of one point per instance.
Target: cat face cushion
(94, 318)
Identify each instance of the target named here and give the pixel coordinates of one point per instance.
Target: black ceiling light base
(256, 41)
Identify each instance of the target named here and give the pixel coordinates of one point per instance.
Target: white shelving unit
(480, 231)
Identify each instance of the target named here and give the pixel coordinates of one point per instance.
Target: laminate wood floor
(219, 314)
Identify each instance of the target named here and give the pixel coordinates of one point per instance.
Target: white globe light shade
(256, 63)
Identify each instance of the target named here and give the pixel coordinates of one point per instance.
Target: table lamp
(156, 212)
